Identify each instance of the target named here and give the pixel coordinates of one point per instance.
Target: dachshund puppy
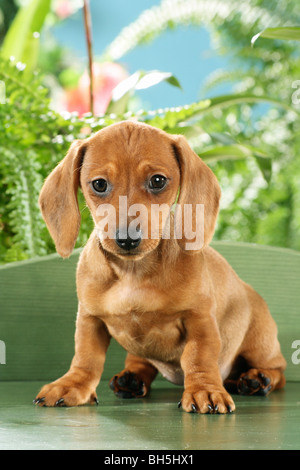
(159, 289)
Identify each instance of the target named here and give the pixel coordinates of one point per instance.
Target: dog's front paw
(69, 390)
(203, 401)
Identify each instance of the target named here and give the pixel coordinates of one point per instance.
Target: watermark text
(2, 353)
(152, 222)
(296, 354)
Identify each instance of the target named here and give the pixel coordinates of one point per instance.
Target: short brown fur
(184, 313)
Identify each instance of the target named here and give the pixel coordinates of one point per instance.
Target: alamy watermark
(2, 92)
(152, 222)
(2, 353)
(296, 354)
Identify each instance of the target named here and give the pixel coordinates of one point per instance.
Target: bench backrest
(38, 306)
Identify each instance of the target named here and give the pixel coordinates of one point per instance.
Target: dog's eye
(100, 185)
(157, 182)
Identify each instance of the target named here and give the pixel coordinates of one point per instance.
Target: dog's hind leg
(261, 351)
(134, 381)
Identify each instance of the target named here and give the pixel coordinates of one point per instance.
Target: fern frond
(22, 182)
(220, 76)
(173, 13)
(28, 151)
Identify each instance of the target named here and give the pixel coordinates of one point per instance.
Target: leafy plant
(171, 14)
(33, 138)
(254, 126)
(8, 10)
(23, 37)
(253, 209)
(37, 138)
(286, 33)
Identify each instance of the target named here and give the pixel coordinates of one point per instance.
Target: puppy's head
(131, 174)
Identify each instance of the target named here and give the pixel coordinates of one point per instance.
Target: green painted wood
(38, 306)
(275, 274)
(38, 309)
(153, 423)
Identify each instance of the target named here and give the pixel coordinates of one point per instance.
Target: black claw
(194, 409)
(210, 408)
(265, 380)
(96, 401)
(179, 404)
(37, 401)
(112, 382)
(141, 390)
(264, 391)
(216, 409)
(59, 402)
(229, 409)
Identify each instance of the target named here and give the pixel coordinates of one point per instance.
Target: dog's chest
(128, 296)
(139, 317)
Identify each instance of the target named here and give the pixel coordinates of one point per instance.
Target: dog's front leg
(203, 386)
(78, 385)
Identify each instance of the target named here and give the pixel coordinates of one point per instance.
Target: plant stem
(88, 35)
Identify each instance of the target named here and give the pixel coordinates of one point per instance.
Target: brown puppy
(175, 305)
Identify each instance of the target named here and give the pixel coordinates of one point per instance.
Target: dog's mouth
(125, 255)
(130, 255)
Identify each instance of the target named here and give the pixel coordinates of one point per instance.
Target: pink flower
(107, 76)
(63, 8)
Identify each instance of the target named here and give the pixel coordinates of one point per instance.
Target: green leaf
(189, 115)
(239, 98)
(121, 94)
(22, 39)
(265, 165)
(155, 77)
(140, 80)
(225, 152)
(285, 33)
(238, 152)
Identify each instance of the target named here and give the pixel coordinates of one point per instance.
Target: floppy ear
(198, 186)
(58, 200)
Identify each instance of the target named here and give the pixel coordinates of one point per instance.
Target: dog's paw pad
(127, 385)
(254, 382)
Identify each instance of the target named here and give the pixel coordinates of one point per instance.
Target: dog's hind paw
(128, 385)
(254, 382)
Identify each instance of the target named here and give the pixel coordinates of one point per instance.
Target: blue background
(186, 52)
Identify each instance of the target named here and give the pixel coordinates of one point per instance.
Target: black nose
(128, 243)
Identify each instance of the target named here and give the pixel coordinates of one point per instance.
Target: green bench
(38, 307)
